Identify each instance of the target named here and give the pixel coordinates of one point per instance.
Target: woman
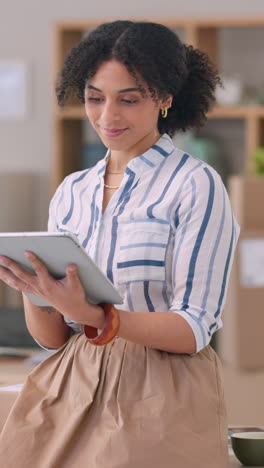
(158, 222)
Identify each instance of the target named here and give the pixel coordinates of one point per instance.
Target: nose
(109, 113)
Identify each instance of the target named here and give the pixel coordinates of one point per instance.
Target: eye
(130, 101)
(94, 99)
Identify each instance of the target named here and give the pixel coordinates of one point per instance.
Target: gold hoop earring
(164, 112)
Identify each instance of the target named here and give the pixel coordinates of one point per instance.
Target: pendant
(112, 187)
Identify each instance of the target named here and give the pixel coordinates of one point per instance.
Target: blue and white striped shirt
(166, 239)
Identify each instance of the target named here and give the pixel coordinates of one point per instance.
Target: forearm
(46, 325)
(166, 331)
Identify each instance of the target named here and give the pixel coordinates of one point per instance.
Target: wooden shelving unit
(203, 34)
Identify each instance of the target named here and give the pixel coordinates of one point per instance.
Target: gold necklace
(112, 187)
(108, 172)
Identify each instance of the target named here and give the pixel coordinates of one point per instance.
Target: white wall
(26, 33)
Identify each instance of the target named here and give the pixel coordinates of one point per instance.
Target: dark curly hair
(155, 53)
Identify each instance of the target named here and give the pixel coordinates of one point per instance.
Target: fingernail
(28, 254)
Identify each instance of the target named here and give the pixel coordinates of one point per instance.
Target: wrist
(96, 316)
(109, 329)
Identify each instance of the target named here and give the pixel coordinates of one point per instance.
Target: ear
(167, 101)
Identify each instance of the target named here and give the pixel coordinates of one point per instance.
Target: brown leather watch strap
(110, 329)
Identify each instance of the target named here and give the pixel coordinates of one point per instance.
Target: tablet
(57, 250)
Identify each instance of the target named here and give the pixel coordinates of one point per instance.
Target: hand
(66, 295)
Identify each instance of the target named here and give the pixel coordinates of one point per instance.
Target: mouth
(113, 132)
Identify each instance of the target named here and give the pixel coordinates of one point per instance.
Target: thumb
(72, 275)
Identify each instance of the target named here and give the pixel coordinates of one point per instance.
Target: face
(125, 120)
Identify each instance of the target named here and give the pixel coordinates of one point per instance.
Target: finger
(38, 266)
(72, 276)
(16, 269)
(11, 280)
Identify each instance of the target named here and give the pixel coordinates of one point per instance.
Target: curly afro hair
(151, 52)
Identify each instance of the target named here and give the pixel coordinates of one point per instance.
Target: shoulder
(200, 191)
(75, 181)
(76, 178)
(193, 171)
(70, 188)
(204, 195)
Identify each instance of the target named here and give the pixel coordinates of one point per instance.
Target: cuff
(201, 335)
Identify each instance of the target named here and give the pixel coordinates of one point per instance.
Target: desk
(234, 463)
(13, 371)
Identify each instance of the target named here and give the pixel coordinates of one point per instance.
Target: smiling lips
(112, 132)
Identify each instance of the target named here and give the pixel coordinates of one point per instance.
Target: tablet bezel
(50, 247)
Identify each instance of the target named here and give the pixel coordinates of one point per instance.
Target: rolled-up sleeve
(54, 208)
(53, 227)
(205, 239)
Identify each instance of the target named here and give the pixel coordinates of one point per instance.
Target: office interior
(33, 132)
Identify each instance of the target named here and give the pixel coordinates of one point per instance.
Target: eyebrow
(126, 90)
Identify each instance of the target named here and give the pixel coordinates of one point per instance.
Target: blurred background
(40, 145)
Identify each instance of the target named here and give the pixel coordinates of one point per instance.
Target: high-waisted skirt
(121, 405)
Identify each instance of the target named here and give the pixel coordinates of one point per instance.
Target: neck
(120, 159)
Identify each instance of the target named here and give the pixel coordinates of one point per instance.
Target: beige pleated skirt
(118, 406)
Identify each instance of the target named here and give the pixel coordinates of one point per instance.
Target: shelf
(235, 112)
(71, 113)
(179, 22)
(205, 34)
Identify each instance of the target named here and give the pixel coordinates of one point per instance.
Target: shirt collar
(151, 158)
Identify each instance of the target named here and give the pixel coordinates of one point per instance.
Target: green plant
(259, 160)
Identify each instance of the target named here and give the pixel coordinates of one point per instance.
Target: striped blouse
(166, 239)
